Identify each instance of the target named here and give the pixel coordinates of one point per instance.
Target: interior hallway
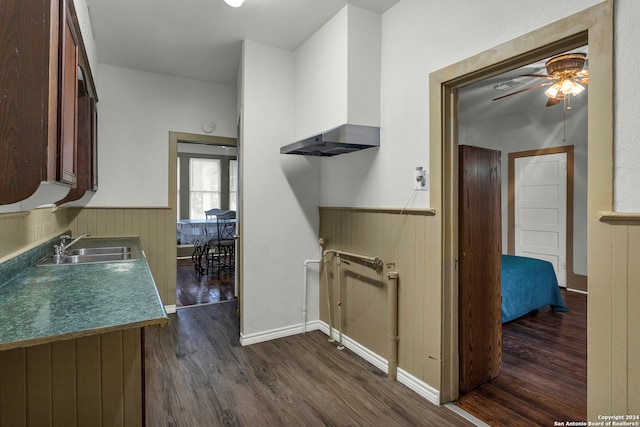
(198, 374)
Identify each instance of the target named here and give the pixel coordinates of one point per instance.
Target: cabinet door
(93, 111)
(24, 98)
(480, 251)
(68, 98)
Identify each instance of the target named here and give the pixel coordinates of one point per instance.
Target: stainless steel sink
(91, 259)
(102, 250)
(93, 255)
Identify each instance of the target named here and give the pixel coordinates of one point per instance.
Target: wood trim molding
(203, 139)
(400, 211)
(160, 208)
(619, 218)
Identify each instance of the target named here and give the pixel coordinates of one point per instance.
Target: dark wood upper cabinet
(41, 51)
(68, 108)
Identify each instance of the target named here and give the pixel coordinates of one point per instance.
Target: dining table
(192, 231)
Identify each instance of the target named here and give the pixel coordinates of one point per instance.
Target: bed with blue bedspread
(527, 285)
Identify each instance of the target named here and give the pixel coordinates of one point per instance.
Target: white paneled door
(540, 184)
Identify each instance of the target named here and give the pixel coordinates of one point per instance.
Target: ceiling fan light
(552, 92)
(234, 3)
(577, 88)
(566, 86)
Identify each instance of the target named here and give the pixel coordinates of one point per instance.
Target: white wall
(280, 196)
(418, 38)
(136, 111)
(321, 79)
(626, 106)
(540, 128)
(337, 73)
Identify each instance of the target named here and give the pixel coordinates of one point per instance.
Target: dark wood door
(480, 250)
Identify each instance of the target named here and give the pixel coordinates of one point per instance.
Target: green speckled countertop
(40, 304)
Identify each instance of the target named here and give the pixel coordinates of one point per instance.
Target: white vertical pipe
(304, 293)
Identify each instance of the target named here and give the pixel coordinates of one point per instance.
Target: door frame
(174, 139)
(592, 26)
(568, 150)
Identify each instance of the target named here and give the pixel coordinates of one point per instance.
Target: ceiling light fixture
(234, 3)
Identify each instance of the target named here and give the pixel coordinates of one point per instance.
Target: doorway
(534, 136)
(195, 286)
(593, 26)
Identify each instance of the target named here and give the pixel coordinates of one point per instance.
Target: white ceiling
(201, 39)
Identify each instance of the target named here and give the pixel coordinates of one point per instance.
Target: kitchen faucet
(60, 250)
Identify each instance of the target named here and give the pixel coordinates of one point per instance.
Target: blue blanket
(528, 284)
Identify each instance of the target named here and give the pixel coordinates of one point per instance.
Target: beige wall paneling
(63, 383)
(633, 321)
(88, 351)
(616, 298)
(21, 231)
(152, 225)
(38, 363)
(89, 381)
(619, 316)
(405, 243)
(600, 301)
(132, 375)
(13, 388)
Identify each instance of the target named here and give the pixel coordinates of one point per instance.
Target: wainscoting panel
(407, 242)
(94, 381)
(151, 225)
(613, 322)
(21, 231)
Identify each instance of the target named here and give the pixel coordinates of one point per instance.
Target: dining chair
(213, 213)
(223, 254)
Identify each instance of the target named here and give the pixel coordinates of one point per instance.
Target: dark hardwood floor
(193, 289)
(544, 370)
(197, 374)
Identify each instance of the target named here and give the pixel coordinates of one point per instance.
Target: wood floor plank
(194, 288)
(197, 374)
(544, 371)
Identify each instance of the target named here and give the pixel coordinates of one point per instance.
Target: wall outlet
(420, 179)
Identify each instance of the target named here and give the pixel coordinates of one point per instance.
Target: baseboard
(418, 386)
(270, 335)
(368, 355)
(170, 309)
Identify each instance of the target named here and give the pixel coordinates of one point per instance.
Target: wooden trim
(592, 26)
(400, 211)
(568, 149)
(203, 139)
(619, 218)
(579, 283)
(157, 208)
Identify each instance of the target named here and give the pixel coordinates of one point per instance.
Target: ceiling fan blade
(553, 101)
(521, 90)
(544, 76)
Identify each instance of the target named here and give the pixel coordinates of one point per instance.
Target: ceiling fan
(567, 78)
